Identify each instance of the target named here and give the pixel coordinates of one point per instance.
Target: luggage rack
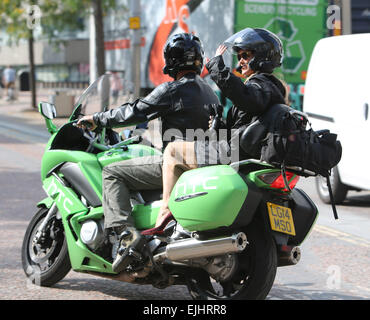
(298, 170)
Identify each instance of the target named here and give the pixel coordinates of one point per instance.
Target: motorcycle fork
(40, 233)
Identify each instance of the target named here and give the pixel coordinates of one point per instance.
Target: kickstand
(331, 196)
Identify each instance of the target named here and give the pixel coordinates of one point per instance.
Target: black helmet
(183, 51)
(265, 45)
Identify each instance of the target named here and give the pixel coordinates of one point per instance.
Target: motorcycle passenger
(259, 52)
(181, 104)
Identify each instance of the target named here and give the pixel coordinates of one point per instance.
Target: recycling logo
(294, 52)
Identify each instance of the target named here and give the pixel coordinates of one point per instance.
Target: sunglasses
(244, 55)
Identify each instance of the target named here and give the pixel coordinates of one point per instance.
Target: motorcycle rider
(181, 104)
(259, 52)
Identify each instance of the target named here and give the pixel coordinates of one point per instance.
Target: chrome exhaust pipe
(289, 258)
(192, 248)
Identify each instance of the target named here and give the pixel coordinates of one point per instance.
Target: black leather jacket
(181, 104)
(250, 99)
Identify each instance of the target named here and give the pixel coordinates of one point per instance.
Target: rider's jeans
(143, 173)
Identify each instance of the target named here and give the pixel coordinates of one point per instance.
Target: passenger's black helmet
(265, 45)
(183, 51)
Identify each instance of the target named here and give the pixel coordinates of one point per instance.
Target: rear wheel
(339, 189)
(45, 261)
(255, 274)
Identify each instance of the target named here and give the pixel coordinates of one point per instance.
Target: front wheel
(253, 280)
(45, 261)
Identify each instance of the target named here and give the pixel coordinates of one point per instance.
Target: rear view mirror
(47, 110)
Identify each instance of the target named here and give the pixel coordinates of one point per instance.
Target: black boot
(104, 249)
(129, 249)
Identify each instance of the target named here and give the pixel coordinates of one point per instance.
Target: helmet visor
(245, 39)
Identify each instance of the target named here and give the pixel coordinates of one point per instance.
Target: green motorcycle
(234, 224)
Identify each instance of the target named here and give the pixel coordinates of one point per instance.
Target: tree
(82, 9)
(14, 23)
(19, 18)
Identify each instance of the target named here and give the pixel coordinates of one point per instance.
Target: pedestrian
(181, 104)
(9, 77)
(116, 86)
(259, 52)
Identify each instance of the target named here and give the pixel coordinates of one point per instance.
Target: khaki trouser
(144, 173)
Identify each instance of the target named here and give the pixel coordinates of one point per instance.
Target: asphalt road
(335, 261)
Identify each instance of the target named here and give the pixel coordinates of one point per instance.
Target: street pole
(99, 36)
(346, 17)
(92, 48)
(32, 77)
(135, 45)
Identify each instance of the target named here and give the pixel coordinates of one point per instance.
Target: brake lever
(85, 123)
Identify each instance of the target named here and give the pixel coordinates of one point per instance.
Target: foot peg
(135, 254)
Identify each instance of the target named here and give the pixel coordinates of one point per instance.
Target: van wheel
(339, 189)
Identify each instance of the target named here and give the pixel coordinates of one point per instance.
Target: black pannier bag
(281, 138)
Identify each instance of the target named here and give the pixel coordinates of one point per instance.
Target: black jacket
(181, 104)
(250, 99)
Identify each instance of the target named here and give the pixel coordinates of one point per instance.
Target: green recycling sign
(298, 23)
(294, 51)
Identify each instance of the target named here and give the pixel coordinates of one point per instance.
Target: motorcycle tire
(255, 276)
(47, 262)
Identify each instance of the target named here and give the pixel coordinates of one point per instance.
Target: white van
(337, 97)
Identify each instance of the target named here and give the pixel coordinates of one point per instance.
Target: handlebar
(94, 141)
(103, 147)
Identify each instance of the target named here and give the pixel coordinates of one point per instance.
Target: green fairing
(73, 212)
(119, 154)
(145, 216)
(52, 158)
(66, 199)
(208, 198)
(47, 202)
(82, 259)
(90, 164)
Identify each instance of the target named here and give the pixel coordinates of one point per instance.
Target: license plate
(281, 218)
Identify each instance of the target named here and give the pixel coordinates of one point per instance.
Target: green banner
(298, 23)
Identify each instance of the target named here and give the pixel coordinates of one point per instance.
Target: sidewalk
(21, 108)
